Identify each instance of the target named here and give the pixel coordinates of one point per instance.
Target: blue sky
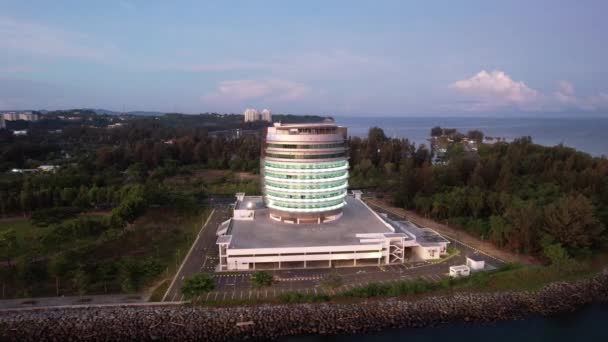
(385, 58)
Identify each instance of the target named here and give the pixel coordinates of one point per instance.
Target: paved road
(39, 302)
(202, 257)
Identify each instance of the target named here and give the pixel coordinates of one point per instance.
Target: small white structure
(245, 207)
(475, 262)
(459, 271)
(48, 168)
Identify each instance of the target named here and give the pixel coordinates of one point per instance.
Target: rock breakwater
(275, 321)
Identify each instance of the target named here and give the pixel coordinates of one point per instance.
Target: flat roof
(250, 202)
(475, 257)
(424, 236)
(263, 232)
(306, 124)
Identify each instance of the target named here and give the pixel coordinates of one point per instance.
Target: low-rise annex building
(251, 240)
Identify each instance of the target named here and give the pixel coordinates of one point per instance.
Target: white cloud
(33, 38)
(596, 102)
(565, 93)
(492, 90)
(272, 90)
(496, 90)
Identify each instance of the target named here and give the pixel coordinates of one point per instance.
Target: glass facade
(293, 181)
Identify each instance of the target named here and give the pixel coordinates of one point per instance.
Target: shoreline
(273, 321)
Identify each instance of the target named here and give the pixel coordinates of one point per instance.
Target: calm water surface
(588, 324)
(585, 134)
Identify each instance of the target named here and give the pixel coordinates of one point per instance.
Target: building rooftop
(475, 257)
(263, 232)
(306, 124)
(250, 202)
(424, 236)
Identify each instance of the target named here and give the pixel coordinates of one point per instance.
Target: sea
(582, 133)
(585, 134)
(587, 324)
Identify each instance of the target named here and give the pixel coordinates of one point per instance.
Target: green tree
(8, 243)
(80, 280)
(557, 254)
(572, 222)
(58, 268)
(197, 285)
(499, 230)
(261, 279)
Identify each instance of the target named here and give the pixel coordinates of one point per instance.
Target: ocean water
(585, 134)
(587, 324)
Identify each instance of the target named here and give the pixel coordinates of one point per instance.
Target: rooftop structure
(305, 172)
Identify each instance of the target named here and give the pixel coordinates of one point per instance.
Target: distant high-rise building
(266, 115)
(28, 116)
(14, 116)
(2, 123)
(11, 116)
(251, 115)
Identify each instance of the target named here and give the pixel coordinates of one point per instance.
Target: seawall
(274, 321)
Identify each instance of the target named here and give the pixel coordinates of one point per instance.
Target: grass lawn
(216, 182)
(27, 234)
(161, 237)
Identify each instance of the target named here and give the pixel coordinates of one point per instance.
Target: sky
(359, 58)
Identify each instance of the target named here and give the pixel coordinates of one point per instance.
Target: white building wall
(475, 265)
(241, 259)
(427, 252)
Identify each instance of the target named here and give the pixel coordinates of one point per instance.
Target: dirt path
(453, 233)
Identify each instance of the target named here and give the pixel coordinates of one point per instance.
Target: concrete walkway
(40, 302)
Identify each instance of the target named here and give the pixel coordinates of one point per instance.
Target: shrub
(45, 217)
(261, 279)
(197, 285)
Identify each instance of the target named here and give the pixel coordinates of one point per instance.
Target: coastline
(277, 321)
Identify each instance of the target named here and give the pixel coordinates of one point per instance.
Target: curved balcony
(306, 210)
(306, 181)
(307, 190)
(311, 170)
(306, 200)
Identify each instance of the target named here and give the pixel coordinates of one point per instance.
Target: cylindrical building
(305, 170)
